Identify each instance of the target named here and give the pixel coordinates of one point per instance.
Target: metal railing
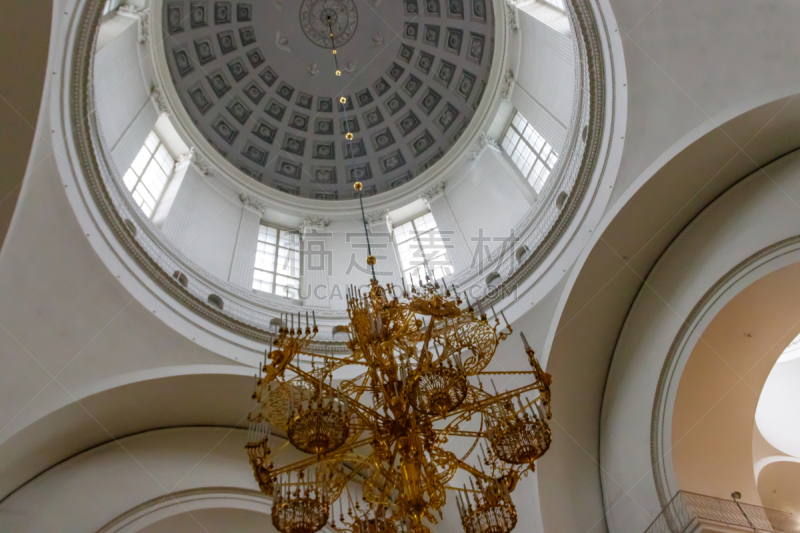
(687, 509)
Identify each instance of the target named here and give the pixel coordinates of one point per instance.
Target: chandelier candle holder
(300, 505)
(518, 434)
(488, 510)
(320, 424)
(418, 355)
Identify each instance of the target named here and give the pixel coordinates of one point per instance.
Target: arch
(187, 501)
(602, 287)
(93, 488)
(127, 404)
(749, 232)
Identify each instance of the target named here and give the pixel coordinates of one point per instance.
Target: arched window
(147, 178)
(277, 262)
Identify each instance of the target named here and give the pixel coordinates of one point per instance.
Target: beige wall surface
(24, 43)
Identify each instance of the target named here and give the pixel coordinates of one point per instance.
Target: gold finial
(358, 186)
(371, 260)
(338, 72)
(348, 136)
(342, 100)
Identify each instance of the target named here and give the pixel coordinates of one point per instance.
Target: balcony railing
(689, 509)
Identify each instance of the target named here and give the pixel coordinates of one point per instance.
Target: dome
(258, 81)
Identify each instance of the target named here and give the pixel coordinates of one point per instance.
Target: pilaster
(387, 268)
(244, 251)
(452, 236)
(175, 208)
(317, 264)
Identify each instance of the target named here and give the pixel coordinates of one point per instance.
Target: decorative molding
(186, 158)
(507, 85)
(282, 42)
(481, 143)
(313, 70)
(310, 222)
(160, 100)
(200, 162)
(252, 203)
(377, 39)
(433, 193)
(142, 15)
(377, 217)
(511, 15)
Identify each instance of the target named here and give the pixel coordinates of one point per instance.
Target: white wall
(491, 198)
(125, 112)
(545, 83)
(212, 226)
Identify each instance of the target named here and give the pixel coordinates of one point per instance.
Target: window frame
(279, 232)
(417, 236)
(140, 179)
(548, 163)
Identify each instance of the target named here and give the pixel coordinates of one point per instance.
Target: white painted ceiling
(257, 78)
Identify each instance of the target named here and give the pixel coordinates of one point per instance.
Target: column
(244, 252)
(453, 237)
(175, 208)
(387, 269)
(317, 262)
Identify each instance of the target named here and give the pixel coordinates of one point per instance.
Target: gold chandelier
(384, 434)
(381, 443)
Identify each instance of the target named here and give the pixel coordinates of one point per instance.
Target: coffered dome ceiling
(257, 78)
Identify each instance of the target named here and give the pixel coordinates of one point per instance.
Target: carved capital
(160, 100)
(142, 15)
(200, 162)
(433, 193)
(480, 145)
(377, 217)
(186, 158)
(309, 223)
(507, 85)
(252, 203)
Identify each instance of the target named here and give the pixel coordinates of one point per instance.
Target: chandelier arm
(507, 372)
(472, 470)
(331, 457)
(356, 406)
(465, 408)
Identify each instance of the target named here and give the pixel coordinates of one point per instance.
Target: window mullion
(275, 263)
